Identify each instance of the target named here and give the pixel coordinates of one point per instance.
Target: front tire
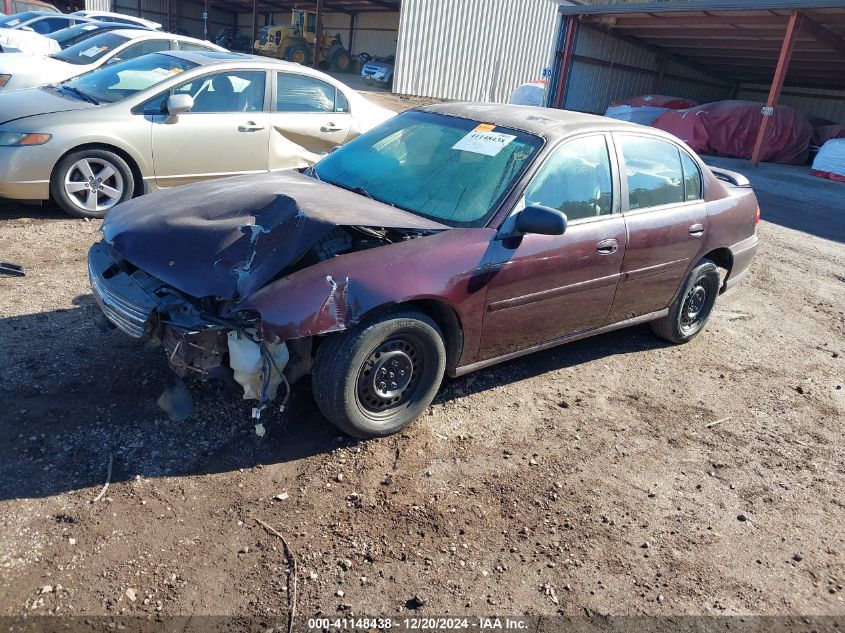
(377, 378)
(692, 308)
(299, 54)
(87, 183)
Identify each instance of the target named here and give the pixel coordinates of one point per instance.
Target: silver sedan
(166, 119)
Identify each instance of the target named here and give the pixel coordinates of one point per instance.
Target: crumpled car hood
(227, 238)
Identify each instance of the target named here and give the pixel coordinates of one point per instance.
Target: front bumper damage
(201, 341)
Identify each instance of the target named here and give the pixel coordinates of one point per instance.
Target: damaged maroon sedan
(449, 238)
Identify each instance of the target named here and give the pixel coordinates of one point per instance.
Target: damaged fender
(337, 293)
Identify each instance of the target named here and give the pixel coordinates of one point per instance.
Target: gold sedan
(170, 118)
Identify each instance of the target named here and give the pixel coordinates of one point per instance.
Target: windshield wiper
(82, 95)
(312, 171)
(363, 192)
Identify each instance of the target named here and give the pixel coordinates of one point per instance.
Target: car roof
(31, 15)
(550, 123)
(133, 33)
(229, 58)
(111, 14)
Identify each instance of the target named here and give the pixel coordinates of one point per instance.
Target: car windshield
(72, 34)
(119, 81)
(450, 169)
(90, 50)
(11, 21)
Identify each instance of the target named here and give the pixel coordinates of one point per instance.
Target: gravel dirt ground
(616, 475)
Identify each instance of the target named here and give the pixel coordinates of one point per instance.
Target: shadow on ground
(790, 196)
(72, 395)
(10, 210)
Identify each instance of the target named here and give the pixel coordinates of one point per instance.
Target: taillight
(757, 216)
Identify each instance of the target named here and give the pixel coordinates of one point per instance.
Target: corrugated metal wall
(98, 5)
(472, 49)
(375, 33)
(827, 104)
(187, 15)
(606, 68)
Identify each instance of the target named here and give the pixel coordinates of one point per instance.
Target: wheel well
(449, 323)
(723, 258)
(136, 171)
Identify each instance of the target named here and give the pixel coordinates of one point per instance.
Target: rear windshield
(453, 170)
(90, 50)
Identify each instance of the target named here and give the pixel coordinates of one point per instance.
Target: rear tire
(340, 60)
(377, 378)
(692, 308)
(89, 182)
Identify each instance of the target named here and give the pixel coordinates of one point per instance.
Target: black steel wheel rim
(392, 376)
(696, 306)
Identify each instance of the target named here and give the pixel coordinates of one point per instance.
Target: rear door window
(144, 48)
(299, 93)
(654, 172)
(191, 46)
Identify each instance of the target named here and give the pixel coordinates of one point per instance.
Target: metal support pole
(139, 8)
(318, 34)
(566, 61)
(170, 16)
(254, 23)
(351, 32)
(205, 16)
(662, 63)
(786, 50)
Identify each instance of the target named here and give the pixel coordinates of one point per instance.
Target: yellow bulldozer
(295, 43)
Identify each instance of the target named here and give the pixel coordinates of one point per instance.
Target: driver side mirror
(541, 220)
(177, 104)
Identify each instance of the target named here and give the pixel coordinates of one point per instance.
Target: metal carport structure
(798, 44)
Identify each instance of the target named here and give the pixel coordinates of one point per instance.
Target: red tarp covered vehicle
(824, 133)
(729, 128)
(657, 101)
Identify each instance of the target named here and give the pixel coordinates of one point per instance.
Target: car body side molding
(553, 293)
(645, 318)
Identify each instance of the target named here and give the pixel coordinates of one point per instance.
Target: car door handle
(250, 126)
(696, 230)
(607, 247)
(330, 127)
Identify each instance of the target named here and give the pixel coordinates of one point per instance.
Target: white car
(21, 70)
(42, 22)
(108, 16)
(24, 41)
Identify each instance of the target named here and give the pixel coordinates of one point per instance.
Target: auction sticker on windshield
(93, 51)
(483, 140)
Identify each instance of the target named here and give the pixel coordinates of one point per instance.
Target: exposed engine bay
(209, 338)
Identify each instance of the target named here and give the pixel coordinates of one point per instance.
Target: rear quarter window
(692, 178)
